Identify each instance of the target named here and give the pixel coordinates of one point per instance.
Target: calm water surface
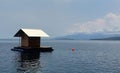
(88, 57)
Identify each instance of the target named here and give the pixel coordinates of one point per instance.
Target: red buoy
(73, 49)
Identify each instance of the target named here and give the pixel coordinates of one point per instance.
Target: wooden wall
(30, 41)
(24, 41)
(34, 41)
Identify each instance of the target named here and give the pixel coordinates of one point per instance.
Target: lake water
(88, 57)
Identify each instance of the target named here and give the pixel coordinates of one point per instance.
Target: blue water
(88, 57)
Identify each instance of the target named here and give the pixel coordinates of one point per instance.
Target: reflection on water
(29, 62)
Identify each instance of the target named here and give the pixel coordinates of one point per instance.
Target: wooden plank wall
(24, 41)
(34, 42)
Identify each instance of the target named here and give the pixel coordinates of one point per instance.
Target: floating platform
(33, 49)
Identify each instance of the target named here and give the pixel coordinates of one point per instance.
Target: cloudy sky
(59, 17)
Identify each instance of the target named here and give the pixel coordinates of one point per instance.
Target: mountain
(92, 36)
(110, 38)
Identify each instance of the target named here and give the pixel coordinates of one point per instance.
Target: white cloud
(109, 23)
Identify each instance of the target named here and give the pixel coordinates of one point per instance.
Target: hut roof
(31, 33)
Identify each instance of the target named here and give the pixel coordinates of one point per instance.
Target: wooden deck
(32, 49)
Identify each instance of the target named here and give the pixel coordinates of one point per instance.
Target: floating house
(30, 39)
